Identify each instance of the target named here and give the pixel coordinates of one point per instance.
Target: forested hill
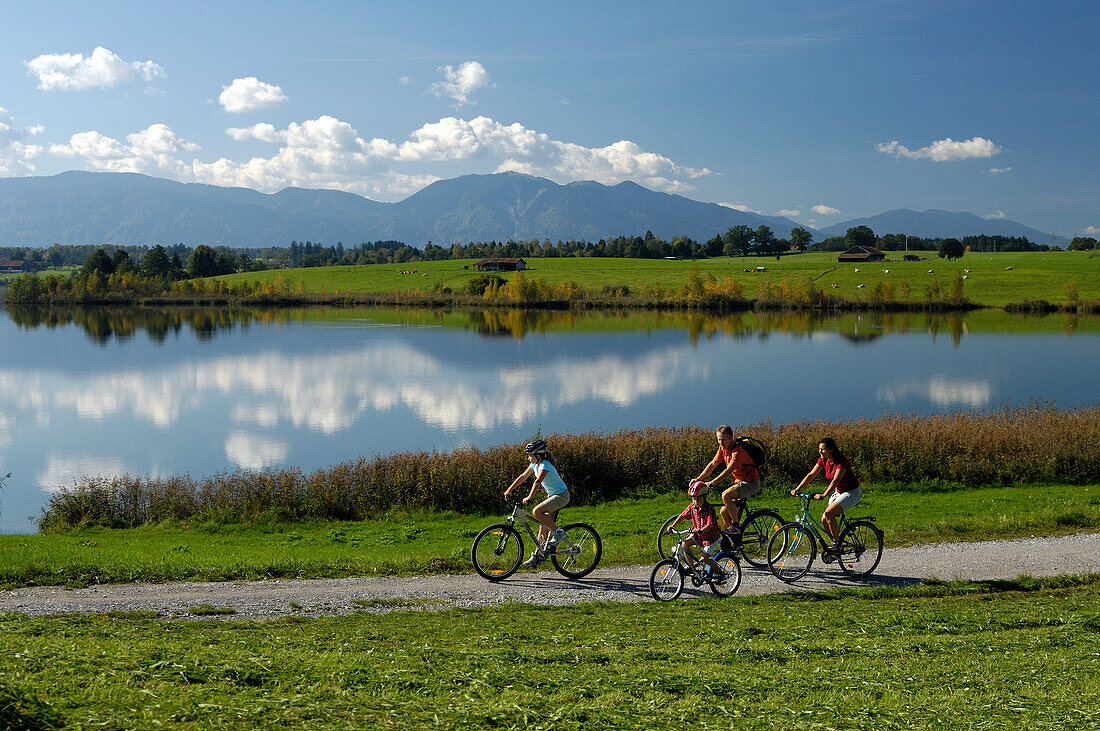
(936, 224)
(127, 208)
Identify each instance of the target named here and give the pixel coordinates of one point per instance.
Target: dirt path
(1078, 554)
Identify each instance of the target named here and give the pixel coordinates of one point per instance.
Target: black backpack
(758, 453)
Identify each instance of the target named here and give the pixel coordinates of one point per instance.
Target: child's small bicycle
(791, 551)
(498, 549)
(667, 580)
(751, 538)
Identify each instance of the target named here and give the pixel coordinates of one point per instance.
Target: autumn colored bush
(1034, 443)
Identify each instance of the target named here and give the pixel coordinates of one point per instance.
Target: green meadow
(1022, 654)
(403, 543)
(993, 279)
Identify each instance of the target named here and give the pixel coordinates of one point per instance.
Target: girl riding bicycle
(557, 497)
(704, 525)
(838, 470)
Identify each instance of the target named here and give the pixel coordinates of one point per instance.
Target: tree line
(172, 263)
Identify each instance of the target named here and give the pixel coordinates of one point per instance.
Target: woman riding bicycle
(838, 470)
(557, 497)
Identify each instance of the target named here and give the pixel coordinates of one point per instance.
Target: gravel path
(1079, 554)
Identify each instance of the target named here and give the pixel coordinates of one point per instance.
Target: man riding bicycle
(736, 463)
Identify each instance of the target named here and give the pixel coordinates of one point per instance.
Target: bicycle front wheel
(860, 549)
(579, 552)
(791, 552)
(756, 531)
(666, 539)
(732, 582)
(497, 552)
(666, 582)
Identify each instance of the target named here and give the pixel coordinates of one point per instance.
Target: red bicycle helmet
(697, 487)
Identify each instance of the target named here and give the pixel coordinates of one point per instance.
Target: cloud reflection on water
(941, 391)
(327, 393)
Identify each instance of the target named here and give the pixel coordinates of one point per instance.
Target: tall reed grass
(1034, 443)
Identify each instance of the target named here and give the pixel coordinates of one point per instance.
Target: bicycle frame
(816, 529)
(686, 559)
(525, 519)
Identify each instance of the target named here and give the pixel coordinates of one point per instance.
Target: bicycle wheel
(666, 582)
(579, 552)
(791, 552)
(497, 552)
(666, 539)
(729, 563)
(860, 548)
(756, 530)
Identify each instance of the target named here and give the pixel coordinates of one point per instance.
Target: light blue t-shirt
(552, 482)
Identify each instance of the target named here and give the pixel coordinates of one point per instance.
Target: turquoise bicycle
(793, 548)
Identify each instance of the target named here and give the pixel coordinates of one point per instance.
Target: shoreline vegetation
(1025, 444)
(102, 324)
(1016, 282)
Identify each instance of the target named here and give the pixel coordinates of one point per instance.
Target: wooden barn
(862, 254)
(500, 264)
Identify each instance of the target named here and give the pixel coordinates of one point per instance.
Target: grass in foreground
(440, 543)
(994, 655)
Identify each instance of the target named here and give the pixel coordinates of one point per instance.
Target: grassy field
(994, 655)
(435, 543)
(990, 281)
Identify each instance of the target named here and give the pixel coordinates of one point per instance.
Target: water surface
(201, 391)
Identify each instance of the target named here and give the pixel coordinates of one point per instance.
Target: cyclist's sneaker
(556, 537)
(534, 560)
(833, 550)
(719, 576)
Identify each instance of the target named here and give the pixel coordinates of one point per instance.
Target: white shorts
(847, 500)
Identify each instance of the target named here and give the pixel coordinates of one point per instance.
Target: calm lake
(200, 391)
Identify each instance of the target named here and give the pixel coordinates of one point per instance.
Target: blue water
(311, 393)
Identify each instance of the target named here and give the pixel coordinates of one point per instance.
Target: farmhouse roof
(859, 253)
(498, 260)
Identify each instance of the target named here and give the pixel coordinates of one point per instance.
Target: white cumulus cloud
(994, 215)
(459, 83)
(788, 212)
(76, 72)
(999, 171)
(249, 94)
(330, 153)
(945, 150)
(740, 207)
(15, 153)
(152, 150)
(823, 210)
(1092, 230)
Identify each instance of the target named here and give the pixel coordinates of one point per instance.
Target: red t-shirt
(745, 470)
(704, 521)
(848, 482)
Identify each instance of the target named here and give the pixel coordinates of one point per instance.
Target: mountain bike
(757, 528)
(793, 548)
(498, 549)
(666, 582)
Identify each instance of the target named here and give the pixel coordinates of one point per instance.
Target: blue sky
(822, 112)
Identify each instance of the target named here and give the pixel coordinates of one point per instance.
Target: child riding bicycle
(557, 497)
(704, 525)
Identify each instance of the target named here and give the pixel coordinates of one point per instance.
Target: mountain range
(128, 208)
